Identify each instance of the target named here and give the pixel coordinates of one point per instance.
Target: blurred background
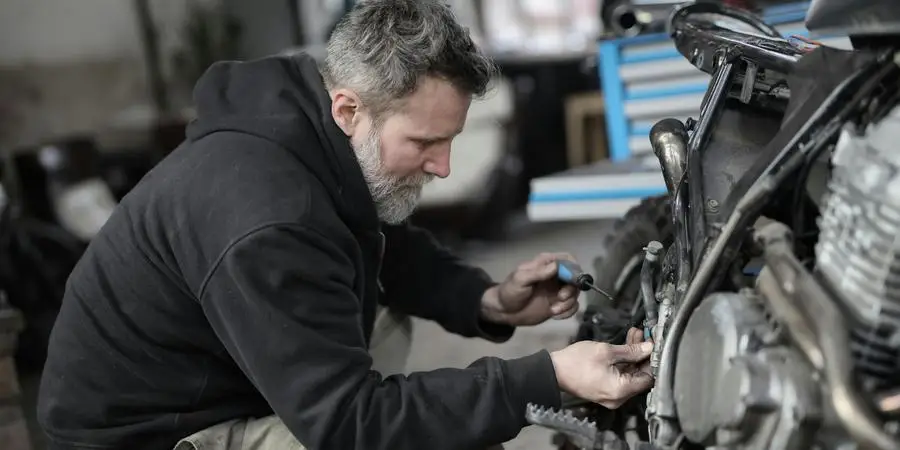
(93, 93)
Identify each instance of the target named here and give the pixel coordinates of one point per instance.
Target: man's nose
(438, 164)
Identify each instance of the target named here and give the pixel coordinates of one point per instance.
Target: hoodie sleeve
(424, 279)
(281, 301)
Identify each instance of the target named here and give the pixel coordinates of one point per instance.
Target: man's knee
(264, 433)
(391, 342)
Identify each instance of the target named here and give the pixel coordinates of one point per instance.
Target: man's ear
(345, 110)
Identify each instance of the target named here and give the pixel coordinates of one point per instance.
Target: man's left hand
(531, 294)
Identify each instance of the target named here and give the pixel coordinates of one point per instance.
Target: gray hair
(382, 48)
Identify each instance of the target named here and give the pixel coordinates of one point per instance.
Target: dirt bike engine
(858, 253)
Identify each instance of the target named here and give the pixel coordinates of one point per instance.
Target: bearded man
(229, 301)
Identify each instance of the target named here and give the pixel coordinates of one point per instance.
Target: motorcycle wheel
(617, 271)
(617, 268)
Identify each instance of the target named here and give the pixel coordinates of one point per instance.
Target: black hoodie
(240, 278)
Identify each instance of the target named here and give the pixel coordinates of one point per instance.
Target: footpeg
(581, 432)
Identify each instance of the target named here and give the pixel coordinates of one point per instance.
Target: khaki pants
(243, 434)
(391, 341)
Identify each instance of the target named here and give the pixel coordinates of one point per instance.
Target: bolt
(654, 247)
(712, 205)
(690, 123)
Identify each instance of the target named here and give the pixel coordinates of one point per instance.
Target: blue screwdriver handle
(571, 273)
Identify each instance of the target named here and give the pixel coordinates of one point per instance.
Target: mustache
(416, 181)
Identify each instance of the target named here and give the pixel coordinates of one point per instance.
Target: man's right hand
(603, 373)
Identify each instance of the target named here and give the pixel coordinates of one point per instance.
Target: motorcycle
(768, 277)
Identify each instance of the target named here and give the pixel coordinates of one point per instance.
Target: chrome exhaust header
(669, 140)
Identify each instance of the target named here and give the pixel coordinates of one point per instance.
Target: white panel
(670, 106)
(640, 145)
(562, 184)
(644, 123)
(496, 106)
(649, 122)
(476, 151)
(589, 210)
(672, 82)
(475, 154)
(641, 49)
(656, 70)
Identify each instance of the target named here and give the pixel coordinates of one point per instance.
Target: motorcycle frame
(721, 53)
(712, 249)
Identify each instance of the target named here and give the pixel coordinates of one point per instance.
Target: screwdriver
(572, 274)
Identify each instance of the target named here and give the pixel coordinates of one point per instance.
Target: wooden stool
(586, 128)
(13, 429)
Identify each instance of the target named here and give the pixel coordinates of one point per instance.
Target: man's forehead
(436, 108)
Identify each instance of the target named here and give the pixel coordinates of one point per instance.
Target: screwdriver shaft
(601, 291)
(571, 273)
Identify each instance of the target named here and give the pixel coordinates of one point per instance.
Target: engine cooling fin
(858, 253)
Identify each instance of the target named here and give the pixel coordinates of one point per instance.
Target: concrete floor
(434, 348)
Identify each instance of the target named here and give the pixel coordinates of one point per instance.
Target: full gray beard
(395, 197)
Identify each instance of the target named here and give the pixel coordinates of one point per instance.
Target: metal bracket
(749, 82)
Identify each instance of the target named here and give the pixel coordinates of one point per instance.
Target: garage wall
(74, 66)
(57, 31)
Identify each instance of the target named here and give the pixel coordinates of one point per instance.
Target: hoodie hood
(283, 99)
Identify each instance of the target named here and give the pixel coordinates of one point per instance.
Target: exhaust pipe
(630, 18)
(819, 329)
(669, 140)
